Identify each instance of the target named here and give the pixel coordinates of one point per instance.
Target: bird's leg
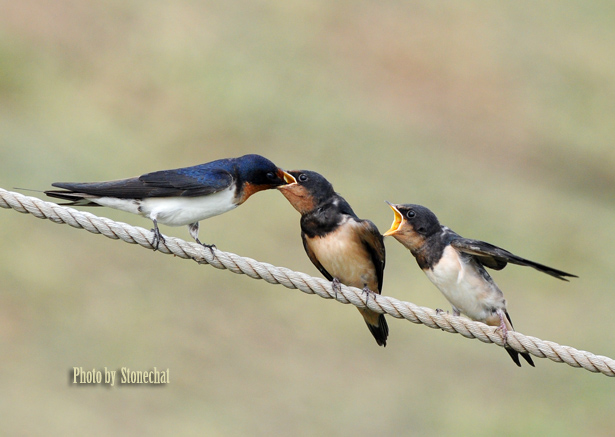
(456, 311)
(193, 228)
(157, 236)
(337, 286)
(502, 326)
(367, 292)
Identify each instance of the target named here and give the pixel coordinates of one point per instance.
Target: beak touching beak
(396, 221)
(288, 178)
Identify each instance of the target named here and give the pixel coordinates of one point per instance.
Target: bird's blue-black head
(256, 173)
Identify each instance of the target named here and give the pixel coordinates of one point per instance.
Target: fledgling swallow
(343, 247)
(456, 265)
(179, 197)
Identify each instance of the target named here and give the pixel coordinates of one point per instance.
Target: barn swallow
(183, 196)
(343, 247)
(456, 265)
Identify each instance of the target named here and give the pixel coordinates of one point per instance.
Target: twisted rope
(308, 284)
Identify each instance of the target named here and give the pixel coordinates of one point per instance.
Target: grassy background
(498, 116)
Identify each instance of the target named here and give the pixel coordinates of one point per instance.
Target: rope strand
(306, 283)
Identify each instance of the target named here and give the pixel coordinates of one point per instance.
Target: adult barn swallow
(183, 196)
(343, 247)
(456, 265)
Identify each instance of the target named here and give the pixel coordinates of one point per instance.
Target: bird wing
(188, 182)
(496, 258)
(374, 244)
(123, 189)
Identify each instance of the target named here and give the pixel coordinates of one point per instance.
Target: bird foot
(367, 292)
(193, 228)
(158, 238)
(209, 246)
(336, 285)
(503, 328)
(440, 311)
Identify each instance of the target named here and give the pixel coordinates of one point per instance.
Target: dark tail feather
(559, 274)
(513, 353)
(528, 358)
(380, 332)
(79, 199)
(28, 189)
(515, 357)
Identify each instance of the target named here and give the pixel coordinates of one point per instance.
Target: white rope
(308, 284)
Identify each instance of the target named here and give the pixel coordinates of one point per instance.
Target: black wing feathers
(166, 183)
(180, 183)
(496, 258)
(374, 244)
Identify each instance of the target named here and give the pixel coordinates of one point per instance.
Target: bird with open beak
(456, 265)
(343, 247)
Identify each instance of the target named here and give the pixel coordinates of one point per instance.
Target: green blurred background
(499, 116)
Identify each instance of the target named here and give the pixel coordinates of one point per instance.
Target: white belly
(464, 287)
(175, 211)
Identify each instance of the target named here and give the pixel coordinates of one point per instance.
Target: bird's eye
(303, 177)
(271, 175)
(410, 214)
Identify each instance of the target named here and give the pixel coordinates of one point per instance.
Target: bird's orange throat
(249, 189)
(299, 197)
(404, 232)
(411, 240)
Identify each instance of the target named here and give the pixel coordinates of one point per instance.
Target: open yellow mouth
(396, 221)
(288, 178)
